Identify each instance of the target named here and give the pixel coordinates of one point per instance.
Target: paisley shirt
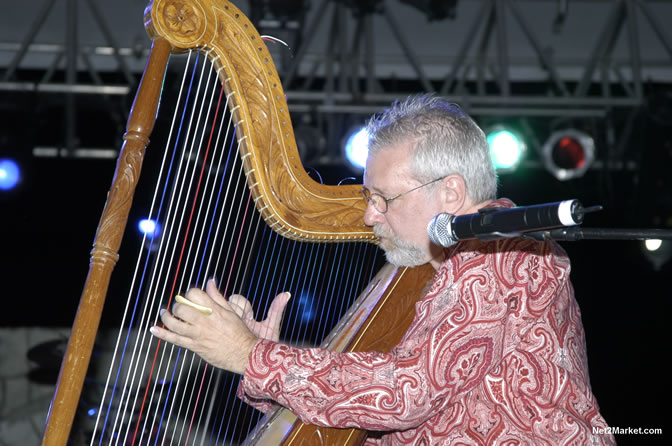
(495, 355)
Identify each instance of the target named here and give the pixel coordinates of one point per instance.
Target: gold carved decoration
(289, 200)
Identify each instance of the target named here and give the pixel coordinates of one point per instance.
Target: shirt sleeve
(461, 331)
(263, 404)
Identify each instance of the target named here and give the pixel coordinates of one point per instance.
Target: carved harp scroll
(290, 202)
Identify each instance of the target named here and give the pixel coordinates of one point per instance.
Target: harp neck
(288, 199)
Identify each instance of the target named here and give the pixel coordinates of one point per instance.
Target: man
(496, 352)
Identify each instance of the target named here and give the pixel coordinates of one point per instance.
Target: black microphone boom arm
(574, 233)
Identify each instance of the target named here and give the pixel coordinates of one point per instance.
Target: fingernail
(151, 330)
(161, 311)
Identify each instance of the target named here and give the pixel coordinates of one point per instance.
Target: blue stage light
(356, 148)
(148, 227)
(10, 174)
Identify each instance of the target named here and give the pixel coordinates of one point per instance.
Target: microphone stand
(574, 233)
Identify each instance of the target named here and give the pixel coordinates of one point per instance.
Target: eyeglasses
(381, 203)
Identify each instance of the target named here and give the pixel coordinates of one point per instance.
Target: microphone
(495, 223)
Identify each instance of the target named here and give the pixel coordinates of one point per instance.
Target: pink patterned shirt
(495, 355)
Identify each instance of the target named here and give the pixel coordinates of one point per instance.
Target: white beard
(400, 253)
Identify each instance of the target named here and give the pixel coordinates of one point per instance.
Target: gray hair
(445, 141)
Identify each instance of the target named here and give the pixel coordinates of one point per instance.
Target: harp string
(202, 193)
(205, 370)
(217, 225)
(255, 289)
(280, 285)
(237, 245)
(203, 210)
(171, 256)
(226, 288)
(138, 294)
(181, 203)
(338, 287)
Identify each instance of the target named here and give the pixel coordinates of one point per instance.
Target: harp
(278, 190)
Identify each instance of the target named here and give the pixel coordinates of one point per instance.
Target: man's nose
(372, 216)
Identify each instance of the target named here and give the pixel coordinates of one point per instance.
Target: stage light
(10, 174)
(658, 252)
(148, 227)
(356, 148)
(506, 148)
(568, 154)
(653, 244)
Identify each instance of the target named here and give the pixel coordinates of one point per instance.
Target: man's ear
(453, 193)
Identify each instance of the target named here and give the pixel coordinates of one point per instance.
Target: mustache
(379, 231)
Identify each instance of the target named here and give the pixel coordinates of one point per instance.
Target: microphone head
(439, 230)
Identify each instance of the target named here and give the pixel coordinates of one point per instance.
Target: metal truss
(337, 76)
(66, 58)
(474, 77)
(335, 68)
(67, 55)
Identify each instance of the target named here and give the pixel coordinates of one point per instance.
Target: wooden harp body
(288, 200)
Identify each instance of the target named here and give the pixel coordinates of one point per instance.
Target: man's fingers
(169, 336)
(187, 312)
(278, 305)
(276, 311)
(241, 306)
(174, 324)
(213, 292)
(199, 297)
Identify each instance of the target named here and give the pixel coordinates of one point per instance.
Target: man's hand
(221, 338)
(268, 328)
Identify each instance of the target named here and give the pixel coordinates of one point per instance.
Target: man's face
(402, 230)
